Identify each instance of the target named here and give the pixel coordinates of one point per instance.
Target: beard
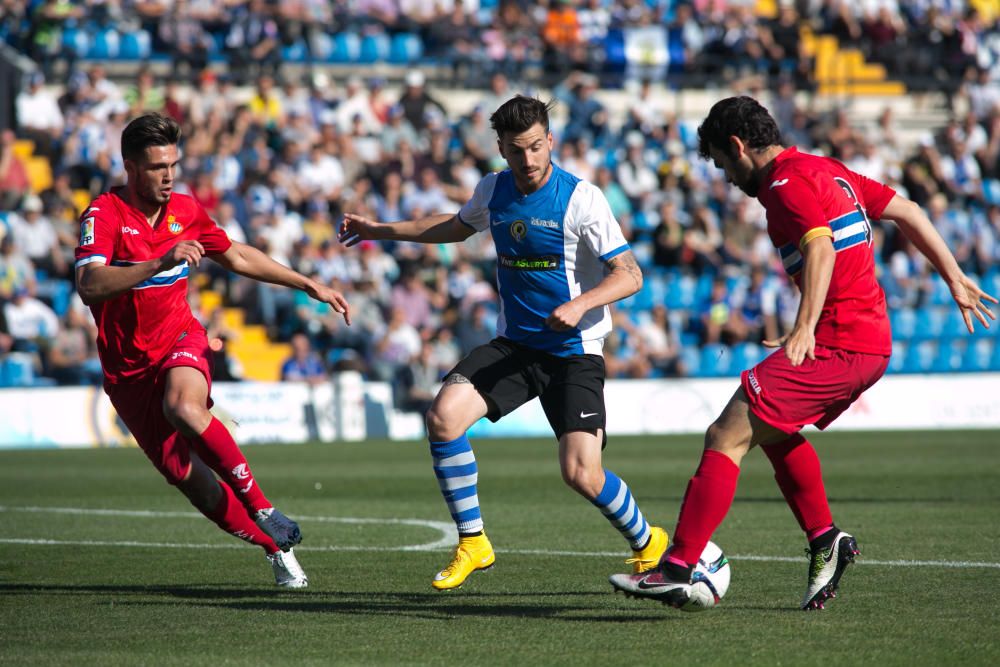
(751, 186)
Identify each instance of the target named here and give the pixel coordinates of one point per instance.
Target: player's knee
(721, 439)
(583, 480)
(439, 427)
(188, 417)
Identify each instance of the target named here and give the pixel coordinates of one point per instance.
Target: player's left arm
(623, 279)
(818, 258)
(250, 262)
(918, 228)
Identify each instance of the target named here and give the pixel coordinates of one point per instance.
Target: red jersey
(807, 196)
(137, 329)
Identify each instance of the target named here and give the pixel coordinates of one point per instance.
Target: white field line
(445, 543)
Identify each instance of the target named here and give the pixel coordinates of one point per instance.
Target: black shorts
(508, 375)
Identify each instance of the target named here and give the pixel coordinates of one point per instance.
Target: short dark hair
(743, 117)
(152, 129)
(519, 113)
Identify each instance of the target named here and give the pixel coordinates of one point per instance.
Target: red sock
(797, 471)
(220, 452)
(707, 500)
(232, 517)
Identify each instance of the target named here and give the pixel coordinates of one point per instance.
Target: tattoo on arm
(626, 262)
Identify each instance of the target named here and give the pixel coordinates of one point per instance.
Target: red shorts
(817, 392)
(140, 406)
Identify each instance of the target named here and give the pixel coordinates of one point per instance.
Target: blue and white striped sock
(455, 468)
(617, 503)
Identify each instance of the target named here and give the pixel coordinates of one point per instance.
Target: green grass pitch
(146, 581)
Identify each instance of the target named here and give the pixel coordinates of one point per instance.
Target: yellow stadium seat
(39, 173)
(81, 200)
(24, 148)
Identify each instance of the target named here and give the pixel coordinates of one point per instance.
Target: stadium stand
(388, 98)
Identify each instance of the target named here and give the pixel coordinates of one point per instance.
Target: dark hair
(519, 113)
(743, 117)
(151, 129)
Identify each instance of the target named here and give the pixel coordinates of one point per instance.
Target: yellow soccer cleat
(471, 554)
(647, 558)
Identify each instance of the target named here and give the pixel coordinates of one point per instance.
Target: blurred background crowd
(278, 144)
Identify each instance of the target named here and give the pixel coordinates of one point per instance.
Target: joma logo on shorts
(752, 378)
(178, 355)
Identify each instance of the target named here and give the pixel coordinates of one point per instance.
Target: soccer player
(561, 259)
(137, 244)
(819, 218)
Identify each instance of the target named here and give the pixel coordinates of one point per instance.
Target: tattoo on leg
(455, 378)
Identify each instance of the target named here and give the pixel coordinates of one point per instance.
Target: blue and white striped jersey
(551, 247)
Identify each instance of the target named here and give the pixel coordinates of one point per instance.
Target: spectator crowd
(277, 161)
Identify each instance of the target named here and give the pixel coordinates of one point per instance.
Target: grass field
(144, 580)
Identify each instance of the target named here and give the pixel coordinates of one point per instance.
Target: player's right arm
(918, 228)
(440, 228)
(97, 282)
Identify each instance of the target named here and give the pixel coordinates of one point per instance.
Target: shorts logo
(518, 230)
(752, 379)
(241, 471)
(187, 355)
(174, 226)
(87, 231)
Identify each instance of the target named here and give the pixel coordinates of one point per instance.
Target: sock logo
(241, 472)
(246, 489)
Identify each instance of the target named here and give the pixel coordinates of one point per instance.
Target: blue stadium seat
(930, 322)
(135, 45)
(940, 294)
(978, 355)
(716, 360)
(681, 292)
(898, 358)
(691, 358)
(105, 45)
(704, 289)
(904, 323)
(949, 357)
(374, 48)
(296, 52)
(346, 48)
(920, 357)
(76, 40)
(747, 355)
(614, 50)
(17, 370)
(321, 46)
(406, 48)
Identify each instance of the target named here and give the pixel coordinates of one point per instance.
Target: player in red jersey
(819, 218)
(137, 244)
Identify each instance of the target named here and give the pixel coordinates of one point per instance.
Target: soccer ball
(710, 579)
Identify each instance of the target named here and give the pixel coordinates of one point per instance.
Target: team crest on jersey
(518, 230)
(174, 226)
(87, 231)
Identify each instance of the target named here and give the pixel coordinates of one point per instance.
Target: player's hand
(799, 344)
(330, 296)
(355, 228)
(186, 251)
(970, 298)
(565, 317)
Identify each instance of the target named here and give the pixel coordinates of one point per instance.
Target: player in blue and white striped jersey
(561, 259)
